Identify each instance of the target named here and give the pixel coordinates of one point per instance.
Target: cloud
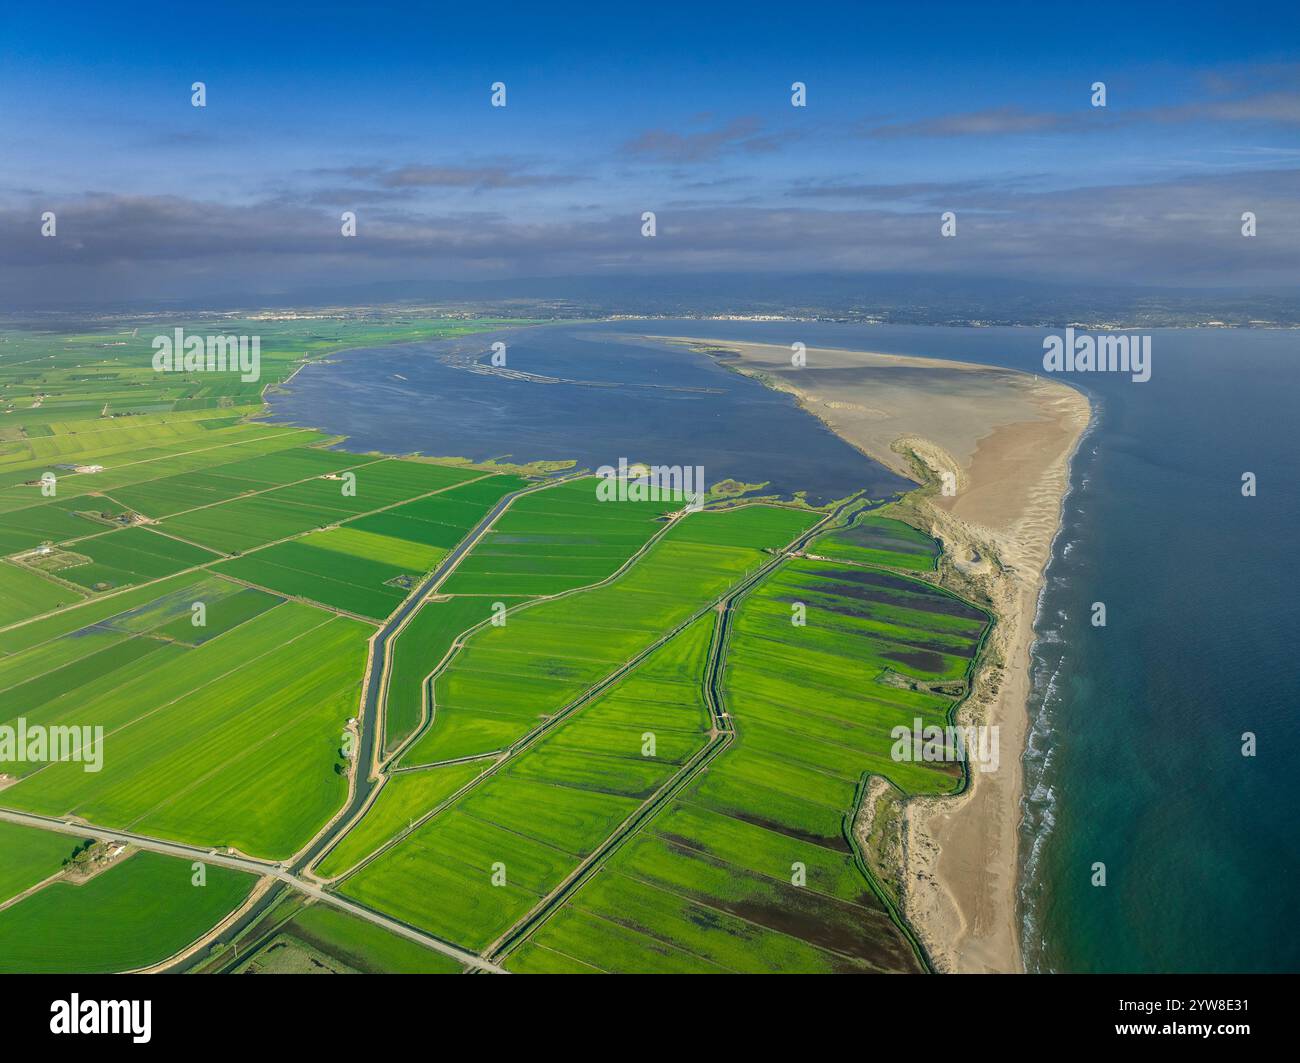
(947, 193)
(995, 121)
(427, 175)
(478, 178)
(1282, 108)
(1179, 233)
(739, 135)
(1240, 98)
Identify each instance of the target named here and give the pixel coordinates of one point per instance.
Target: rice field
(215, 736)
(320, 939)
(482, 863)
(507, 680)
(352, 584)
(27, 517)
(28, 856)
(168, 495)
(512, 562)
(750, 868)
(874, 539)
(104, 924)
(325, 499)
(207, 599)
(223, 705)
(405, 797)
(21, 636)
(59, 519)
(441, 520)
(368, 567)
(417, 650)
(555, 540)
(121, 558)
(24, 593)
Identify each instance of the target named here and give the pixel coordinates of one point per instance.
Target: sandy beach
(1001, 442)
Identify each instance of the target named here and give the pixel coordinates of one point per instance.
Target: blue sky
(383, 109)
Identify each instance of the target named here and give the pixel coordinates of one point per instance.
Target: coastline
(1007, 438)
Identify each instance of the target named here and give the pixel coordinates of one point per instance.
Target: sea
(1159, 828)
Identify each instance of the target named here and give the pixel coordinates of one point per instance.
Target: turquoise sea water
(1135, 752)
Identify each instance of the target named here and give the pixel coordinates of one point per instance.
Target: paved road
(256, 867)
(289, 875)
(143, 841)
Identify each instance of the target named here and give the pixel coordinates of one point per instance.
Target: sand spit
(1003, 439)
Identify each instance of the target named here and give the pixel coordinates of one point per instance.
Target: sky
(684, 110)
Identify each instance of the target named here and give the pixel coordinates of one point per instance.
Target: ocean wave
(1039, 802)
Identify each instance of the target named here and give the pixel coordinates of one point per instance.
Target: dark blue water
(602, 397)
(1135, 754)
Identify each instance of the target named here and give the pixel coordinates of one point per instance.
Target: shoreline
(1031, 721)
(1008, 439)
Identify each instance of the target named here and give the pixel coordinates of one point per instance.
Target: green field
(138, 912)
(299, 569)
(226, 740)
(507, 680)
(85, 504)
(231, 479)
(223, 706)
(323, 500)
(132, 555)
(557, 539)
(417, 650)
(547, 809)
(367, 567)
(24, 593)
(405, 797)
(324, 940)
(29, 855)
(512, 562)
(563, 792)
(710, 884)
(441, 520)
(879, 540)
